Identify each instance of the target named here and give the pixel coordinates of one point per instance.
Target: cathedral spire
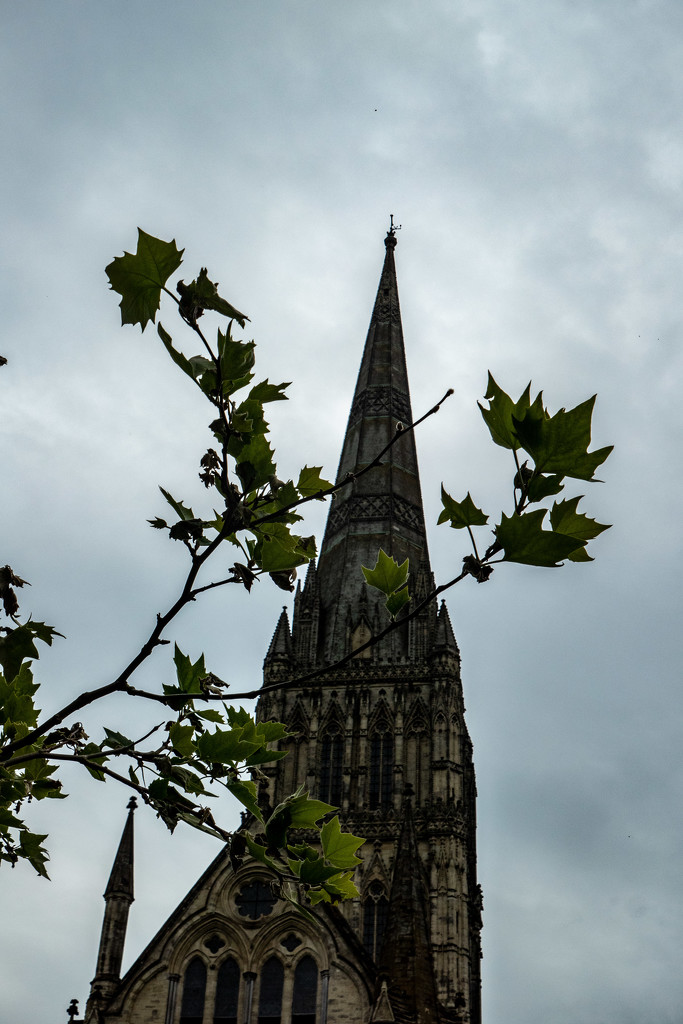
(118, 897)
(382, 508)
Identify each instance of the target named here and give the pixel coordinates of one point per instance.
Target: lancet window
(375, 910)
(227, 993)
(331, 764)
(277, 1003)
(305, 996)
(270, 992)
(381, 768)
(194, 992)
(415, 760)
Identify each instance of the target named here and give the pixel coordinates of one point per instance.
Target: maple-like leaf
(139, 277)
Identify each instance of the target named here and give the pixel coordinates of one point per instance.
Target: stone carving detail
(375, 506)
(386, 311)
(214, 943)
(376, 401)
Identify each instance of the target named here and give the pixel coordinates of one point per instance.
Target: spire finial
(390, 240)
(132, 804)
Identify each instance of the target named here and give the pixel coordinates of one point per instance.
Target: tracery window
(194, 991)
(331, 765)
(375, 911)
(227, 993)
(305, 997)
(270, 992)
(381, 768)
(255, 900)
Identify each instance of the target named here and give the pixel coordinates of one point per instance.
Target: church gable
(232, 944)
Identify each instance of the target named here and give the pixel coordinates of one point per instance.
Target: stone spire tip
(391, 240)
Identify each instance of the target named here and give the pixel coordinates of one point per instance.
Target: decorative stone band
(380, 401)
(386, 311)
(375, 506)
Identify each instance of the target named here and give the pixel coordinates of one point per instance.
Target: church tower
(379, 733)
(383, 736)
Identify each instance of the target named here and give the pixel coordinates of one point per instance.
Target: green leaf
(499, 417)
(339, 847)
(182, 510)
(226, 746)
(387, 574)
(272, 731)
(182, 739)
(565, 519)
(258, 456)
(189, 675)
(266, 392)
(341, 887)
(18, 713)
(31, 845)
(178, 358)
(312, 871)
(460, 513)
(210, 715)
(265, 756)
(18, 645)
(249, 412)
(202, 294)
(259, 852)
(559, 443)
(140, 278)
(275, 557)
(396, 601)
(541, 486)
(297, 811)
(246, 792)
(237, 358)
(95, 755)
(310, 482)
(524, 540)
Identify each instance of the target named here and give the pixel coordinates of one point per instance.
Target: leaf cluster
(254, 510)
(207, 745)
(557, 448)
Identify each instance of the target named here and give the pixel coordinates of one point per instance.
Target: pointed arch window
(305, 996)
(375, 911)
(331, 765)
(270, 992)
(381, 768)
(227, 993)
(194, 992)
(416, 766)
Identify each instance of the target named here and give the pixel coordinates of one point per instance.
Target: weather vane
(393, 228)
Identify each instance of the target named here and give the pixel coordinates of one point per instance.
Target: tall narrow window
(270, 992)
(331, 765)
(381, 769)
(194, 990)
(375, 910)
(227, 993)
(415, 758)
(305, 998)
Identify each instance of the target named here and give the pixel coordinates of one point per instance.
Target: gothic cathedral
(384, 738)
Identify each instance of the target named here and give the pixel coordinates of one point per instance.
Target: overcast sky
(533, 153)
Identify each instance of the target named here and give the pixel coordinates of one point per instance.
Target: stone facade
(380, 733)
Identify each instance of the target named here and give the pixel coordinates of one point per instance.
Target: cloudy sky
(533, 153)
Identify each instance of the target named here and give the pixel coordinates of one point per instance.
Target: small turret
(118, 897)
